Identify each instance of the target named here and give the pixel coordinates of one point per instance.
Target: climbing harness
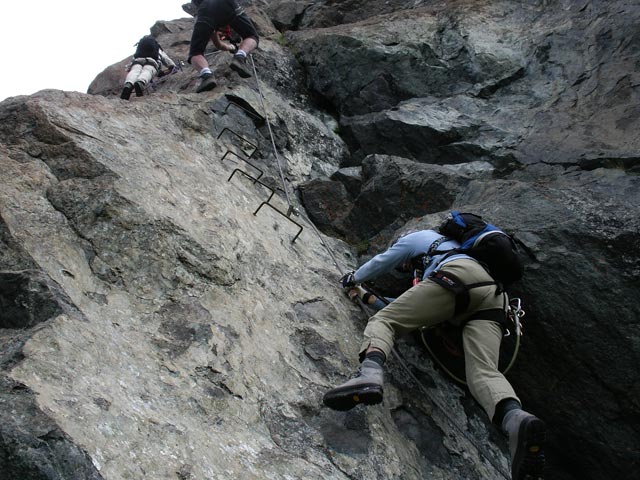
(514, 314)
(460, 289)
(512, 326)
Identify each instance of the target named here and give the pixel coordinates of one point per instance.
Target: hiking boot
(365, 387)
(239, 64)
(139, 87)
(126, 91)
(206, 83)
(527, 435)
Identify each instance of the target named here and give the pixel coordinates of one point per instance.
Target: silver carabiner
(516, 313)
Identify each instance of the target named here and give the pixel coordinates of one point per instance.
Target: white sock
(204, 70)
(241, 53)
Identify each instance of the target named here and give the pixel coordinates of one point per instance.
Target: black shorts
(215, 14)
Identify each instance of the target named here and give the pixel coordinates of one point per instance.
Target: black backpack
(148, 47)
(500, 253)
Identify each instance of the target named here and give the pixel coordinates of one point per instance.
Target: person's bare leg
(199, 62)
(202, 65)
(248, 45)
(239, 63)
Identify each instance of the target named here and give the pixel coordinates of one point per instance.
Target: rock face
(167, 313)
(544, 81)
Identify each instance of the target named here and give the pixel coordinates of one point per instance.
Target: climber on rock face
(147, 61)
(211, 16)
(455, 288)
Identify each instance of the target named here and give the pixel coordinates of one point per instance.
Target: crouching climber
(455, 288)
(211, 17)
(147, 62)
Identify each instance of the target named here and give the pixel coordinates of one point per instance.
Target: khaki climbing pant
(142, 70)
(428, 304)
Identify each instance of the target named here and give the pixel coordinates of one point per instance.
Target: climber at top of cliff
(211, 17)
(146, 63)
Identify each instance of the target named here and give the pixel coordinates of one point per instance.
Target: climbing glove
(348, 280)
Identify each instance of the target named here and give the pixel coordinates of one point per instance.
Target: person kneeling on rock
(146, 63)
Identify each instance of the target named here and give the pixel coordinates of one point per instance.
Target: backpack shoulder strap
(433, 250)
(434, 246)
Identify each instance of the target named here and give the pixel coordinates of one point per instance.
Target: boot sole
(206, 87)
(528, 461)
(241, 71)
(347, 398)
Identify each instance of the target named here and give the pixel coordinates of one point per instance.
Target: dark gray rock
(190, 8)
(589, 262)
(327, 203)
(520, 77)
(287, 15)
(351, 178)
(181, 326)
(325, 13)
(431, 131)
(12, 256)
(33, 446)
(396, 190)
(28, 298)
(375, 64)
(393, 191)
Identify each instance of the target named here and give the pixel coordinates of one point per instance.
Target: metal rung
(229, 152)
(255, 115)
(227, 129)
(266, 202)
(284, 215)
(255, 180)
